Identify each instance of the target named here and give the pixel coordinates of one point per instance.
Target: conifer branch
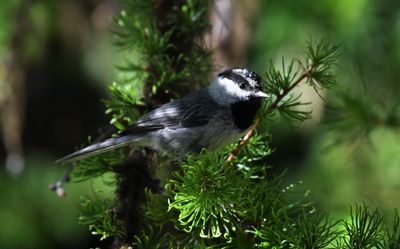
(270, 109)
(317, 74)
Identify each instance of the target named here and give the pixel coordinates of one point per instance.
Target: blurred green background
(56, 60)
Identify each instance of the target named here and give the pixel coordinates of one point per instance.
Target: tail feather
(98, 148)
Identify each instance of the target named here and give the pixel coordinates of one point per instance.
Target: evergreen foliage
(355, 111)
(211, 201)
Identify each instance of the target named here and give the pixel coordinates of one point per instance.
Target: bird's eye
(242, 85)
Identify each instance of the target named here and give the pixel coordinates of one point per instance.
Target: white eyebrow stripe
(245, 74)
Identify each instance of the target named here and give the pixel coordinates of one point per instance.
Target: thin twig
(270, 109)
(58, 186)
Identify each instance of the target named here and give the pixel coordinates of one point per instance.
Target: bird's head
(236, 85)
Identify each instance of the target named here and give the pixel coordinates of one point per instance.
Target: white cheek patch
(225, 91)
(231, 88)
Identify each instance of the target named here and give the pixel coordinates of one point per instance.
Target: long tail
(98, 148)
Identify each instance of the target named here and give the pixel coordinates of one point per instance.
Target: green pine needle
(96, 166)
(322, 58)
(206, 195)
(99, 217)
(392, 234)
(364, 230)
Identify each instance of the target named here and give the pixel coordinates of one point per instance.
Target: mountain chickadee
(208, 118)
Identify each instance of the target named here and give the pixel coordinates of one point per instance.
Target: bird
(209, 118)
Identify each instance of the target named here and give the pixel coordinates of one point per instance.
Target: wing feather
(193, 110)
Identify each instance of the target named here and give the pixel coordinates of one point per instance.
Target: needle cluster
(210, 201)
